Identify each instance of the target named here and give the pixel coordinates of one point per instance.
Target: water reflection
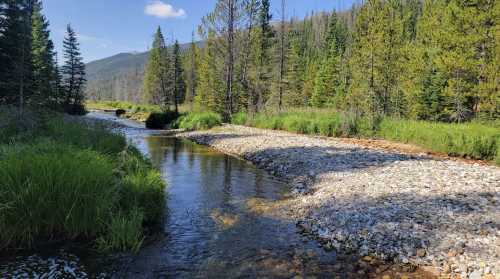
(210, 230)
(213, 226)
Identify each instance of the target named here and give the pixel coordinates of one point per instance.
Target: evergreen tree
(15, 55)
(42, 51)
(179, 85)
(295, 72)
(157, 75)
(192, 66)
(329, 82)
(266, 38)
(73, 72)
(210, 85)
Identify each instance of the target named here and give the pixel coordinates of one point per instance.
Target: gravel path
(379, 203)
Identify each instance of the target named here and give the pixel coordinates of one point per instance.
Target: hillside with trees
(426, 60)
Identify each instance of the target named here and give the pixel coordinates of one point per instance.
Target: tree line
(29, 72)
(435, 60)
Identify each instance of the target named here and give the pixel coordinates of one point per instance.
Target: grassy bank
(69, 180)
(198, 121)
(138, 112)
(471, 140)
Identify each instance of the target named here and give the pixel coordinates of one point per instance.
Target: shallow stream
(210, 228)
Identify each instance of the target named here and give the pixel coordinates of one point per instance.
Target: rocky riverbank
(381, 203)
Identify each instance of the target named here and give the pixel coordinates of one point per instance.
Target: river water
(210, 228)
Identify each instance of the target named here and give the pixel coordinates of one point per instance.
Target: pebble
(395, 206)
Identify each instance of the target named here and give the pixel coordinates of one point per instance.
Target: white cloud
(162, 10)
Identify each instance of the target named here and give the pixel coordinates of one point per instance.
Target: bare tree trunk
(282, 56)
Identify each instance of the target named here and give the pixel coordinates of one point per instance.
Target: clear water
(210, 229)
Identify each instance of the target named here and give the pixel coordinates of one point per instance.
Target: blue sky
(109, 27)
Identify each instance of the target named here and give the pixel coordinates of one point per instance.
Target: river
(210, 228)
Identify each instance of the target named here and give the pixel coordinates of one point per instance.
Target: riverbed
(211, 228)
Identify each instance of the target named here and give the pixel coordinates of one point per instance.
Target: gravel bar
(386, 204)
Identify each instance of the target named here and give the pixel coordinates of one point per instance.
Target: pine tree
(179, 85)
(266, 37)
(295, 72)
(42, 51)
(73, 72)
(15, 43)
(192, 66)
(157, 75)
(329, 81)
(210, 85)
(224, 22)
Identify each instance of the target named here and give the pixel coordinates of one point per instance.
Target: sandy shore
(378, 200)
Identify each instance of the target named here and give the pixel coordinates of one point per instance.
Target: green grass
(69, 180)
(470, 140)
(130, 107)
(199, 121)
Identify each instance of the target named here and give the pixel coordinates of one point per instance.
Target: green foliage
(68, 180)
(471, 140)
(124, 233)
(239, 118)
(50, 189)
(157, 82)
(199, 121)
(73, 71)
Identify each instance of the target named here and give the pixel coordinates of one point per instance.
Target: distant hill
(118, 77)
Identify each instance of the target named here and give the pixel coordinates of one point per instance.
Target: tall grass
(71, 180)
(471, 140)
(199, 121)
(51, 189)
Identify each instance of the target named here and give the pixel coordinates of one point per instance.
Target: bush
(120, 112)
(157, 120)
(199, 121)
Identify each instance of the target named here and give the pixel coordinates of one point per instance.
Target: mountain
(118, 77)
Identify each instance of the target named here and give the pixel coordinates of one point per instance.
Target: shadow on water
(209, 230)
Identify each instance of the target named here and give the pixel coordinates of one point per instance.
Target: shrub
(158, 120)
(199, 121)
(120, 112)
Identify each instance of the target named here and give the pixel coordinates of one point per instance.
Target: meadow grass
(198, 121)
(74, 180)
(470, 140)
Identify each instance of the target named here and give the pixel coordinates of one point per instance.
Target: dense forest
(29, 74)
(429, 60)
